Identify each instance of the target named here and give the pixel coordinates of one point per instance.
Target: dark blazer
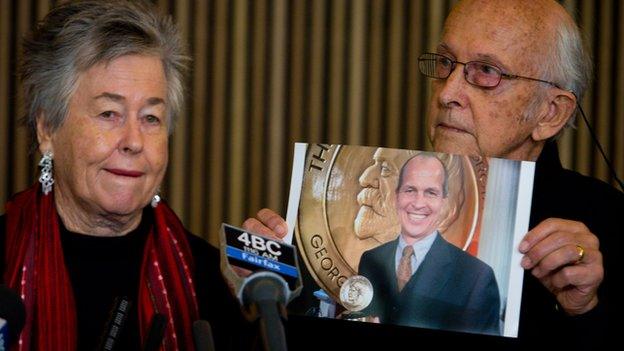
(451, 290)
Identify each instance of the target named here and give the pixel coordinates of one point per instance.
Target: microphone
(116, 323)
(12, 317)
(202, 334)
(156, 332)
(264, 275)
(264, 295)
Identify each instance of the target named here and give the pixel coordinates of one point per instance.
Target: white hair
(569, 65)
(76, 36)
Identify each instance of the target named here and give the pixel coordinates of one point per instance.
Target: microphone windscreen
(202, 333)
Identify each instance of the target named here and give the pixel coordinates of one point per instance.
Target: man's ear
(44, 136)
(561, 107)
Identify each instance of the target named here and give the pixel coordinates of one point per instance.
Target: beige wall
(269, 73)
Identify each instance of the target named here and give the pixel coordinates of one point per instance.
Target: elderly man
(420, 279)
(506, 79)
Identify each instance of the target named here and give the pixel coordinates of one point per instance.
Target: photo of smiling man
(421, 280)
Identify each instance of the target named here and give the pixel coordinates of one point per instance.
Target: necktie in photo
(405, 266)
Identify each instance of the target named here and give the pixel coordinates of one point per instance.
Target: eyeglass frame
(454, 63)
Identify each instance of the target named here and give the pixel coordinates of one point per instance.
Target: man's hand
(564, 255)
(267, 223)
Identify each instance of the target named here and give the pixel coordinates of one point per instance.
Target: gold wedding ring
(581, 254)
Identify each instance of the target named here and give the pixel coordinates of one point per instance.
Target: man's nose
(418, 201)
(452, 91)
(369, 178)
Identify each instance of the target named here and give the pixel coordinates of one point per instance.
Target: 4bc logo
(260, 246)
(253, 252)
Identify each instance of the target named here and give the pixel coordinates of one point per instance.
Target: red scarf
(35, 267)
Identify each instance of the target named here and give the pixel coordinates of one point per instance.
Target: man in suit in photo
(420, 279)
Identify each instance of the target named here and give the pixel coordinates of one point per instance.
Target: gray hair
(425, 154)
(570, 65)
(76, 36)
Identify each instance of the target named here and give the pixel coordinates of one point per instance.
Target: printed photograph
(432, 235)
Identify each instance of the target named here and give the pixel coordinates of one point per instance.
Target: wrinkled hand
(267, 223)
(551, 253)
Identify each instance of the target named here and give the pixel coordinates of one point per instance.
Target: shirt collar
(421, 247)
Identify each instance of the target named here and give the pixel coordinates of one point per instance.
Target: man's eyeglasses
(481, 74)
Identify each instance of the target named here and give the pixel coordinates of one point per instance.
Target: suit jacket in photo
(450, 290)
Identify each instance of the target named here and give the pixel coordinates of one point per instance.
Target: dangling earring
(155, 200)
(46, 179)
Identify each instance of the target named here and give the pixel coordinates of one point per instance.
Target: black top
(557, 193)
(104, 268)
(562, 193)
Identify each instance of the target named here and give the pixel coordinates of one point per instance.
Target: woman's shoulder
(199, 243)
(205, 256)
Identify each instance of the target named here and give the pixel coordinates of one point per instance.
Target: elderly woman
(103, 82)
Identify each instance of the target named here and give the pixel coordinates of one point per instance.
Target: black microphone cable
(598, 145)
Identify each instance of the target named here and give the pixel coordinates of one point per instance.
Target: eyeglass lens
(477, 73)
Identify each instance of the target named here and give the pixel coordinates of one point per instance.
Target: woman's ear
(44, 136)
(561, 107)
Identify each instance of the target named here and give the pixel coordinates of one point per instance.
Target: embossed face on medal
(356, 293)
(376, 216)
(348, 206)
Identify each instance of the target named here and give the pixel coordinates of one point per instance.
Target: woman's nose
(132, 138)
